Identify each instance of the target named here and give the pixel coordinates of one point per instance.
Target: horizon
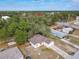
(39, 5)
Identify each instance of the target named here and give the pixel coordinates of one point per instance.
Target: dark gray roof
(11, 53)
(39, 39)
(76, 56)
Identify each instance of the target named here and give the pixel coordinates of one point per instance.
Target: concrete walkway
(74, 45)
(61, 52)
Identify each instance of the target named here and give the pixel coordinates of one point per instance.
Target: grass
(49, 54)
(46, 49)
(76, 32)
(74, 40)
(22, 48)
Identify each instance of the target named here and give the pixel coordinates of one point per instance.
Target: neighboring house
(77, 21)
(11, 53)
(67, 30)
(5, 17)
(77, 18)
(58, 33)
(76, 55)
(39, 40)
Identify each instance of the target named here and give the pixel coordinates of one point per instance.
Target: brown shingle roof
(39, 39)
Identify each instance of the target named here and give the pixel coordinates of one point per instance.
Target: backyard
(76, 32)
(74, 40)
(67, 48)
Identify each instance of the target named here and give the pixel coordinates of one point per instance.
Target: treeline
(22, 26)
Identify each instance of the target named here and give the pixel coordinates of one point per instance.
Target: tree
(22, 24)
(3, 34)
(11, 29)
(20, 37)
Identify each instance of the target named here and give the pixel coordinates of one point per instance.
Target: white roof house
(58, 33)
(77, 18)
(11, 53)
(5, 17)
(39, 40)
(67, 30)
(76, 23)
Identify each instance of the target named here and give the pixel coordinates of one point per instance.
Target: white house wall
(49, 45)
(43, 43)
(33, 45)
(36, 45)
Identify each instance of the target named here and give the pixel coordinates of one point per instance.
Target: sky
(39, 5)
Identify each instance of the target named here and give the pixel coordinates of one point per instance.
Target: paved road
(61, 52)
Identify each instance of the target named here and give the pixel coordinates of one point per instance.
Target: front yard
(43, 53)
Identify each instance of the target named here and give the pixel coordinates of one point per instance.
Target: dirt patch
(3, 45)
(22, 48)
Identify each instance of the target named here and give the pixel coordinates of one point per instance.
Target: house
(11, 53)
(76, 55)
(67, 30)
(5, 17)
(58, 33)
(76, 23)
(39, 40)
(77, 18)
